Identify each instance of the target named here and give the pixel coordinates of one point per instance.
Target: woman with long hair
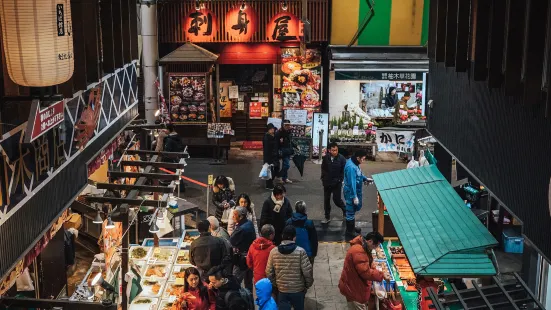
(223, 194)
(243, 200)
(196, 296)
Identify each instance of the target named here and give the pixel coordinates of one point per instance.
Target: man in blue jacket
(353, 180)
(307, 236)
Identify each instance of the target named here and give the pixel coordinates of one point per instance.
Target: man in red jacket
(358, 274)
(257, 257)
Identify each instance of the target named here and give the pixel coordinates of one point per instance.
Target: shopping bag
(266, 172)
(413, 163)
(379, 289)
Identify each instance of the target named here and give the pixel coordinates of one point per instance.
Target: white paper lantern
(38, 41)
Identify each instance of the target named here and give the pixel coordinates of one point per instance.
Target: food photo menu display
(188, 98)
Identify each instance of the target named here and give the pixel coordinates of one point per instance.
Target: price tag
(172, 299)
(180, 281)
(156, 250)
(177, 269)
(211, 179)
(182, 253)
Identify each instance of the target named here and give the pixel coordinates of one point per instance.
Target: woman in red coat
(358, 273)
(196, 296)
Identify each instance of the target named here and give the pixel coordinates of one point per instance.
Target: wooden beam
(534, 48)
(90, 20)
(514, 45)
(117, 33)
(141, 188)
(381, 218)
(463, 35)
(481, 40)
(496, 43)
(133, 10)
(451, 32)
(139, 163)
(125, 20)
(149, 176)
(441, 31)
(108, 64)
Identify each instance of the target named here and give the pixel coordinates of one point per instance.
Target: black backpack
(245, 295)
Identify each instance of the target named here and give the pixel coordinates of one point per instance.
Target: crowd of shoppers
(234, 256)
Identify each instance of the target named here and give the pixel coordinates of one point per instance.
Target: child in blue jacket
(264, 298)
(307, 236)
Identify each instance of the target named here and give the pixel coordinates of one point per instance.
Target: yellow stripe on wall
(406, 22)
(344, 23)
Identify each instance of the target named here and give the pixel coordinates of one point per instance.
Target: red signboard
(283, 27)
(200, 25)
(255, 110)
(42, 120)
(241, 23)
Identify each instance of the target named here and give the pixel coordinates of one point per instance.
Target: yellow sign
(211, 179)
(156, 250)
(180, 281)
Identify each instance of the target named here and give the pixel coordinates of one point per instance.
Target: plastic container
(513, 242)
(392, 280)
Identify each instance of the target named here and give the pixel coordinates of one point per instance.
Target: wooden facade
(111, 35)
(171, 16)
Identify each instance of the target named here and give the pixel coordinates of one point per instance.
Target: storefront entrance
(254, 104)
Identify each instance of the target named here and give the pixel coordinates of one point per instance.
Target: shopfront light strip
(383, 69)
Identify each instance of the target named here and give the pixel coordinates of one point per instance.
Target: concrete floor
(244, 167)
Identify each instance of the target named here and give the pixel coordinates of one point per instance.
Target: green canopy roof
(440, 235)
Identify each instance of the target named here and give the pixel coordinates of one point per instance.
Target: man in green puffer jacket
(290, 270)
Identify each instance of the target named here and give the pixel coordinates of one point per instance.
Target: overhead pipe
(150, 57)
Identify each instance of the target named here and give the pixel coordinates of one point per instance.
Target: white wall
(341, 93)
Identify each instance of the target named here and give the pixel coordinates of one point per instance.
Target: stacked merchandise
(162, 270)
(403, 267)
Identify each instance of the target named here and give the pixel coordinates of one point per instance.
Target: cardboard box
(74, 221)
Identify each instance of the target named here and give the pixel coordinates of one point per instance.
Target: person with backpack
(264, 298)
(307, 236)
(229, 294)
(290, 271)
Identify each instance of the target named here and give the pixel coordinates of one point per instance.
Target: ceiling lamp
(243, 6)
(110, 224)
(38, 41)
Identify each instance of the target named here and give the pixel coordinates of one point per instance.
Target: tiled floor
(327, 271)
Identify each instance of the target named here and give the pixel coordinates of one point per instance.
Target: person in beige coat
(290, 270)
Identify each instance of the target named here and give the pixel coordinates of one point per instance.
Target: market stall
(439, 238)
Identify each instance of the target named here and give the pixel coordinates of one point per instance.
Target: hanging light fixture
(243, 6)
(110, 224)
(98, 280)
(38, 41)
(284, 6)
(98, 219)
(154, 228)
(198, 5)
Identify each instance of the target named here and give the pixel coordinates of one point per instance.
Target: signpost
(42, 120)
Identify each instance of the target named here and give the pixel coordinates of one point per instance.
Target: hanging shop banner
(296, 117)
(376, 75)
(241, 23)
(200, 26)
(255, 110)
(301, 79)
(265, 109)
(188, 98)
(42, 120)
(395, 141)
(283, 27)
(225, 101)
(321, 123)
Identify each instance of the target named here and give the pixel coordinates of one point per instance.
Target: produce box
(182, 258)
(178, 273)
(166, 304)
(163, 242)
(379, 253)
(387, 270)
(156, 271)
(74, 221)
(173, 289)
(139, 252)
(152, 287)
(190, 236)
(144, 303)
(162, 255)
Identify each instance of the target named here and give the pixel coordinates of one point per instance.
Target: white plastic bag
(413, 163)
(423, 161)
(266, 172)
(379, 289)
(24, 282)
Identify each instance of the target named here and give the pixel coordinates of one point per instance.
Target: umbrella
(299, 161)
